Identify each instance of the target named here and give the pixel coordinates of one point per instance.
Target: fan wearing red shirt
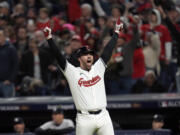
(44, 20)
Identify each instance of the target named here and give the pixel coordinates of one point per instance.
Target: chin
(89, 66)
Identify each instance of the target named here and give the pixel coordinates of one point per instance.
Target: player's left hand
(119, 26)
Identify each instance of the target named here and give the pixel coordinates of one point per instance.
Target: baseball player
(87, 85)
(57, 126)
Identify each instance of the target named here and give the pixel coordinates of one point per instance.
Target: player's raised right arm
(60, 58)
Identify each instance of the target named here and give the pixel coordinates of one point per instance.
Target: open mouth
(88, 61)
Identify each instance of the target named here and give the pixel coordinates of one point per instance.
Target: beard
(87, 65)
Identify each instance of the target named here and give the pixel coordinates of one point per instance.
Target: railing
(117, 102)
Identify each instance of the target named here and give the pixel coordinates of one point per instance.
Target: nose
(89, 57)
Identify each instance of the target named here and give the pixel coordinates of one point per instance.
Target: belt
(90, 112)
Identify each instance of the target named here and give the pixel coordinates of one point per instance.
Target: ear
(79, 59)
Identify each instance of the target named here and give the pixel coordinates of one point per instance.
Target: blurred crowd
(146, 58)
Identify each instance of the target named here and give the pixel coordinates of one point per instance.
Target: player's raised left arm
(106, 55)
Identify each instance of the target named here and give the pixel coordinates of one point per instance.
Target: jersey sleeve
(69, 69)
(100, 65)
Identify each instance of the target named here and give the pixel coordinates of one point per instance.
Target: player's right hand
(119, 26)
(47, 32)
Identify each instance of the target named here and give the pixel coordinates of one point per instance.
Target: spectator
(22, 41)
(3, 21)
(91, 41)
(18, 9)
(41, 41)
(63, 20)
(88, 29)
(65, 35)
(151, 52)
(158, 122)
(175, 33)
(86, 21)
(58, 125)
(19, 126)
(42, 44)
(102, 20)
(165, 38)
(117, 11)
(31, 27)
(86, 10)
(166, 45)
(4, 8)
(31, 13)
(75, 42)
(69, 27)
(10, 34)
(143, 8)
(121, 65)
(35, 62)
(43, 18)
(8, 66)
(150, 84)
(20, 20)
(173, 15)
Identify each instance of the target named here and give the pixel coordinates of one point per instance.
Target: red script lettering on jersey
(89, 82)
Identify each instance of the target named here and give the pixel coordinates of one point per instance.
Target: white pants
(88, 124)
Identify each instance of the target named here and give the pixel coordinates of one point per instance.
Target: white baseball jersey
(87, 87)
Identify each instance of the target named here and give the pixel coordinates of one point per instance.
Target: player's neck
(85, 67)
